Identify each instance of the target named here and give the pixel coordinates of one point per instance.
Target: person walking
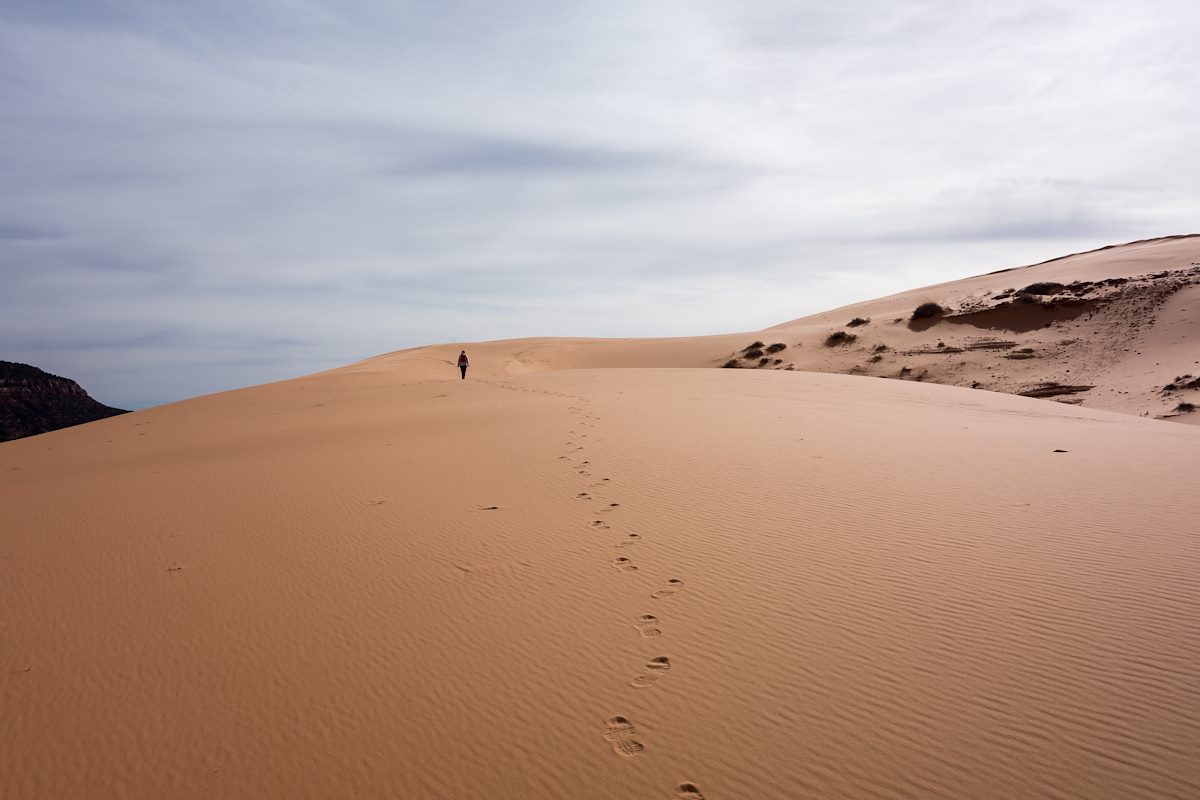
(463, 363)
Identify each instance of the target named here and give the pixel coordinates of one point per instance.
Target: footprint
(673, 586)
(632, 538)
(647, 626)
(620, 732)
(489, 508)
(583, 496)
(687, 791)
(624, 564)
(655, 669)
(599, 523)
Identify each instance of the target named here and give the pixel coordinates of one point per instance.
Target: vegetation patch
(839, 338)
(754, 346)
(1044, 288)
(1181, 383)
(775, 348)
(1186, 408)
(730, 364)
(752, 354)
(928, 311)
(854, 323)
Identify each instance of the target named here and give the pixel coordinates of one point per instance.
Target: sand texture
(570, 576)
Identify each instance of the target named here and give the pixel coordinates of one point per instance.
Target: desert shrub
(905, 370)
(1182, 382)
(775, 348)
(1045, 287)
(778, 361)
(752, 354)
(875, 359)
(927, 310)
(838, 338)
(730, 364)
(754, 346)
(880, 348)
(854, 323)
(762, 362)
(1186, 407)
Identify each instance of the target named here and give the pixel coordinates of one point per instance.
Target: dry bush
(927, 311)
(1043, 288)
(839, 338)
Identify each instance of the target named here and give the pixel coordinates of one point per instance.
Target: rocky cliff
(33, 401)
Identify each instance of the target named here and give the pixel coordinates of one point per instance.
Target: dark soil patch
(1053, 389)
(1020, 317)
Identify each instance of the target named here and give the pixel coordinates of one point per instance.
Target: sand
(572, 576)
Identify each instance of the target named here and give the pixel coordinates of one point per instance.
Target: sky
(205, 194)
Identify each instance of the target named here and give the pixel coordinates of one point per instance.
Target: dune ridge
(1126, 324)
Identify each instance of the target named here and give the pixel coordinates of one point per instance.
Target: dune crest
(1122, 320)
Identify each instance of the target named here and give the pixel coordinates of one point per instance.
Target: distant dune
(1116, 328)
(612, 569)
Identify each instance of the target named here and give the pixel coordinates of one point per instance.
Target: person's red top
(462, 359)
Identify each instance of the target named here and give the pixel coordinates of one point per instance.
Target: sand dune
(1119, 333)
(568, 576)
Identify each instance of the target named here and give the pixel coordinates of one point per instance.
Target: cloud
(323, 181)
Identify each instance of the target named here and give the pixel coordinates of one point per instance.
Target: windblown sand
(385, 582)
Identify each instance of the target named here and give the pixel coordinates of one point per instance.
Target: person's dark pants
(463, 367)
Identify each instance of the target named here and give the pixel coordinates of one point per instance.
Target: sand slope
(384, 582)
(1118, 335)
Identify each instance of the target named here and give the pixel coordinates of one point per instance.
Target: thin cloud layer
(201, 197)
